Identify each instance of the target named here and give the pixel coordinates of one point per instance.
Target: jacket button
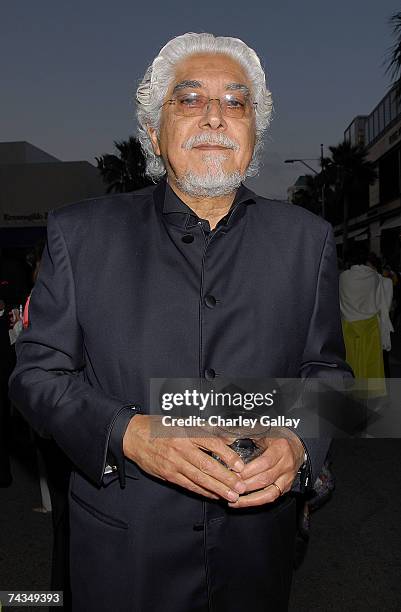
(210, 301)
(210, 374)
(188, 238)
(198, 527)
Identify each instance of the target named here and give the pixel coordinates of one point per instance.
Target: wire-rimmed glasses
(194, 104)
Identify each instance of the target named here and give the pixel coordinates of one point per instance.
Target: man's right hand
(181, 460)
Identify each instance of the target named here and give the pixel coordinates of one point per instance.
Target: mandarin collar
(181, 214)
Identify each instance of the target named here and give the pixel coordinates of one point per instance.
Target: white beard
(214, 182)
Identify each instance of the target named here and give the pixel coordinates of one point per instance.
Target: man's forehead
(202, 67)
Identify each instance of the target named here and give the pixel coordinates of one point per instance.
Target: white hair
(155, 83)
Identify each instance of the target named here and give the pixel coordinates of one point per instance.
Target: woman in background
(365, 312)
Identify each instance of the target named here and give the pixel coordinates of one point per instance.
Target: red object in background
(25, 316)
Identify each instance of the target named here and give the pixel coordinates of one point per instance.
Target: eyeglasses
(194, 104)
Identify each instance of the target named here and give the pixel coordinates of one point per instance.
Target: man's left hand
(278, 464)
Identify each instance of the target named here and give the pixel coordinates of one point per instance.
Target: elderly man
(204, 279)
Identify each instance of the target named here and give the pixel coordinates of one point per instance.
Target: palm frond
(393, 56)
(125, 171)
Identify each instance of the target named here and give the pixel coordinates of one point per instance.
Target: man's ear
(154, 139)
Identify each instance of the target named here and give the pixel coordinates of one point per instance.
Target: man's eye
(234, 103)
(189, 101)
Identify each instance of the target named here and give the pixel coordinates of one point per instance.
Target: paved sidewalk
(353, 563)
(25, 535)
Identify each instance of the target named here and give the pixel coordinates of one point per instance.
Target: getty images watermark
(224, 408)
(327, 407)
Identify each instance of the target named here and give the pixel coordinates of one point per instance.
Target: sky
(69, 70)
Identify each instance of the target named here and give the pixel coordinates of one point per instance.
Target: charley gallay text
(239, 421)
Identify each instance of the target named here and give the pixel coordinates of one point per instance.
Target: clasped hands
(183, 461)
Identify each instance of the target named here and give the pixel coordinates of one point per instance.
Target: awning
(363, 236)
(391, 223)
(359, 232)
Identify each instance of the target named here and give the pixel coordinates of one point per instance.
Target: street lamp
(303, 161)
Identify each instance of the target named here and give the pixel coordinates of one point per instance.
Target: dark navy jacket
(132, 287)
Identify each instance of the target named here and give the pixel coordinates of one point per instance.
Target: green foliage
(345, 178)
(394, 55)
(347, 174)
(125, 172)
(309, 195)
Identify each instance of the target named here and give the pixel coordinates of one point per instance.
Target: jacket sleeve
(115, 453)
(324, 353)
(48, 383)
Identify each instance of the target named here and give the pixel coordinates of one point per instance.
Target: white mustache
(210, 139)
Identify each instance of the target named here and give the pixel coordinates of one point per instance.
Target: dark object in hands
(246, 449)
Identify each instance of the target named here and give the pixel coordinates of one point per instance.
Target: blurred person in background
(54, 466)
(365, 315)
(7, 362)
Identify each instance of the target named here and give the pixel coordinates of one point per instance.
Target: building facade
(379, 227)
(32, 182)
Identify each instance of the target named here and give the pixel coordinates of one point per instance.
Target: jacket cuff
(115, 454)
(304, 475)
(303, 479)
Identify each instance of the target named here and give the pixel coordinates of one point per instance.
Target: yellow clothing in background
(364, 351)
(363, 347)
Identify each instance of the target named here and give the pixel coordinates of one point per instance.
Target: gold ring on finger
(273, 484)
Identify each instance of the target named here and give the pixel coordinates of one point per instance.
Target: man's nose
(213, 115)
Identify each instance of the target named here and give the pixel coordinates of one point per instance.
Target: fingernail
(238, 466)
(240, 487)
(232, 496)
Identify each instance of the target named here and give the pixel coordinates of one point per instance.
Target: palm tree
(394, 55)
(349, 174)
(125, 172)
(308, 192)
